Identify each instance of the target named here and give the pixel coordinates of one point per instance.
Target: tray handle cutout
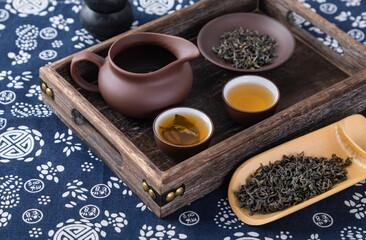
(77, 117)
(106, 146)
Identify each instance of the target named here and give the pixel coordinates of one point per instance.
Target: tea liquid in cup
(182, 132)
(183, 126)
(251, 93)
(250, 99)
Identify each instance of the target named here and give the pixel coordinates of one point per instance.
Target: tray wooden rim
(163, 175)
(165, 180)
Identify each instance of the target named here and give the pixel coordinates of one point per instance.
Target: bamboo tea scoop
(346, 138)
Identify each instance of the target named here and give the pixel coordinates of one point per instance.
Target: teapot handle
(80, 81)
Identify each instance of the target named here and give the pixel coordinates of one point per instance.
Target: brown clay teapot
(142, 74)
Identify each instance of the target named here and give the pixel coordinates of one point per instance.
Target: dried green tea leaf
(290, 181)
(246, 49)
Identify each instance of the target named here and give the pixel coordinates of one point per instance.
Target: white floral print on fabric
(142, 206)
(353, 233)
(360, 184)
(34, 185)
(116, 182)
(19, 143)
(27, 35)
(357, 21)
(249, 235)
(100, 191)
(67, 140)
(85, 229)
(49, 172)
(304, 2)
(352, 3)
(158, 7)
(4, 15)
(3, 121)
(332, 44)
(87, 167)
(20, 58)
(44, 200)
(24, 110)
(314, 236)
(24, 8)
(284, 235)
(328, 8)
(323, 220)
(35, 232)
(57, 44)
(81, 38)
(154, 6)
(73, 229)
(325, 39)
(357, 34)
(225, 218)
(7, 97)
(116, 220)
(47, 54)
(92, 156)
(61, 23)
(4, 218)
(135, 24)
(75, 191)
(48, 33)
(89, 212)
(10, 186)
(160, 232)
(76, 5)
(34, 91)
(2, 27)
(32, 216)
(189, 218)
(256, 236)
(14, 80)
(27, 31)
(357, 205)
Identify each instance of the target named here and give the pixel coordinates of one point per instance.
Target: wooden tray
(317, 86)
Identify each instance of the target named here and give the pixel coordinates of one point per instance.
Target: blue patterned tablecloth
(53, 187)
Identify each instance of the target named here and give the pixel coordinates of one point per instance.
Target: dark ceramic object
(176, 151)
(142, 74)
(106, 6)
(209, 36)
(248, 118)
(106, 25)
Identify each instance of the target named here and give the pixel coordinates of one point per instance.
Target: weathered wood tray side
(317, 86)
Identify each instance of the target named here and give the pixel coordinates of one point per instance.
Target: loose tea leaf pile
(246, 49)
(290, 181)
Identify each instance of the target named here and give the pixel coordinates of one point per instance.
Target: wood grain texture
(317, 88)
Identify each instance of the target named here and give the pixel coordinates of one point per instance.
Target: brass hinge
(47, 90)
(162, 199)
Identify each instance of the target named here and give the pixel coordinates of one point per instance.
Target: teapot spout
(184, 50)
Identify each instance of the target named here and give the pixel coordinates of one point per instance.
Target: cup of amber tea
(182, 132)
(250, 99)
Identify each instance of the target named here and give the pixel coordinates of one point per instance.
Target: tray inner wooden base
(303, 75)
